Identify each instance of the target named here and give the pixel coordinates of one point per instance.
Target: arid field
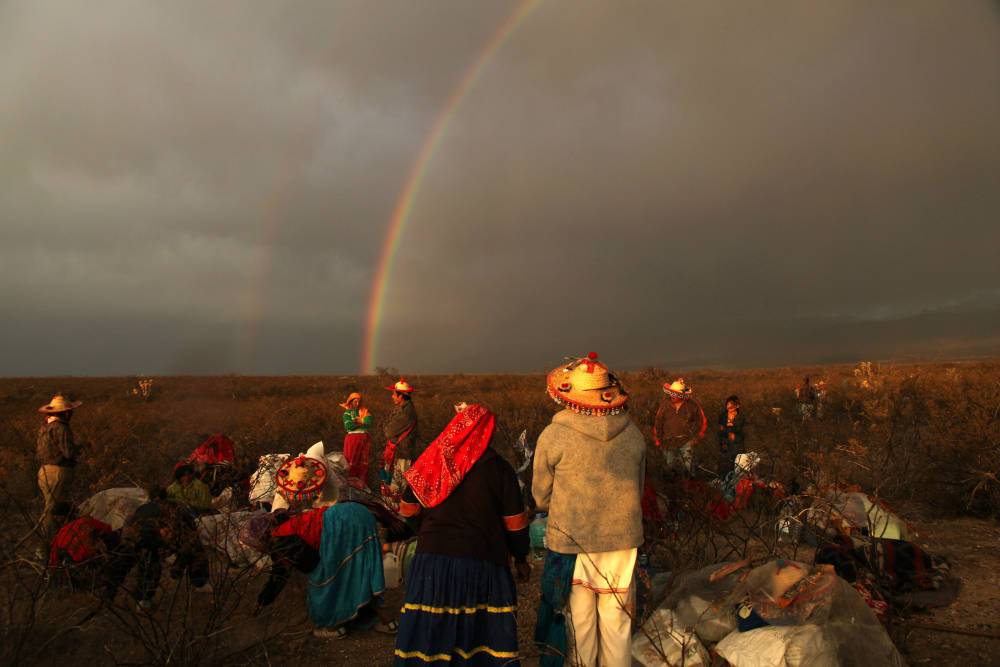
(923, 438)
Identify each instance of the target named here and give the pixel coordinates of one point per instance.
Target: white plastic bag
(778, 646)
(661, 636)
(114, 506)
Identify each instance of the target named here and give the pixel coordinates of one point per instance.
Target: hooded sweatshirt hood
(603, 429)
(580, 462)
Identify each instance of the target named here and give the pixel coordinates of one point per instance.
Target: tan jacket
(588, 473)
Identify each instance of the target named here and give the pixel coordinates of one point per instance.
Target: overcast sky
(192, 187)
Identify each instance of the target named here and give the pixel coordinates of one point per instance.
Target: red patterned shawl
(444, 463)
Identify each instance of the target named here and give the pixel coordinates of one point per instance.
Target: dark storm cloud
(204, 187)
(690, 185)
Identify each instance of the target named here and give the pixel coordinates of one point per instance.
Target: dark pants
(728, 450)
(147, 558)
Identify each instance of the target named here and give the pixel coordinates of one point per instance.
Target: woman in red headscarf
(460, 596)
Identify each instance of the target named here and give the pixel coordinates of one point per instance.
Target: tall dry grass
(927, 432)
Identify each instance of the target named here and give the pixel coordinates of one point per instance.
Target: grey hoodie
(588, 475)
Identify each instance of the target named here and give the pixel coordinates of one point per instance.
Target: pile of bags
(781, 614)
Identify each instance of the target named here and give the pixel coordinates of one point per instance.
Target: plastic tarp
(114, 506)
(262, 485)
(810, 615)
(787, 646)
(701, 600)
(663, 642)
(224, 533)
(790, 596)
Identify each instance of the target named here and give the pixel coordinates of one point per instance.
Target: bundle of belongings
(215, 461)
(851, 512)
(891, 573)
(780, 614)
(316, 479)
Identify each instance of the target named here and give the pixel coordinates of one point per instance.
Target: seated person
(190, 491)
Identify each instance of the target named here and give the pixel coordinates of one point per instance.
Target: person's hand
(523, 569)
(732, 436)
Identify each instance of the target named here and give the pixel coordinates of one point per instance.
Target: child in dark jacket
(732, 434)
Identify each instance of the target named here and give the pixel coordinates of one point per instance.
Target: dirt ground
(971, 545)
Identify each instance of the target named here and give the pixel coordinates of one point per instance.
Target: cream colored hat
(59, 403)
(403, 387)
(677, 389)
(587, 387)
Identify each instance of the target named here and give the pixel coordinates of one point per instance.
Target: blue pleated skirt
(458, 611)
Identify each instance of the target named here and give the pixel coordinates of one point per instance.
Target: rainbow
(404, 205)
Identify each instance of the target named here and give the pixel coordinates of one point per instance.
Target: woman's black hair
(733, 399)
(183, 470)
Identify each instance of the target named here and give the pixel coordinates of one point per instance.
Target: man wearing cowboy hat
(402, 441)
(588, 474)
(680, 425)
(57, 454)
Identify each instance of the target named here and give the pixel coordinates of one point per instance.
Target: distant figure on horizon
(679, 425)
(57, 453)
(401, 435)
(732, 434)
(357, 443)
(806, 395)
(588, 474)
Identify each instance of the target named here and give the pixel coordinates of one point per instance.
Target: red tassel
(592, 356)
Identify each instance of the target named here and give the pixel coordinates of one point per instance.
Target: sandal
(339, 632)
(389, 628)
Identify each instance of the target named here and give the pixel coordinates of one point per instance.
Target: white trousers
(601, 605)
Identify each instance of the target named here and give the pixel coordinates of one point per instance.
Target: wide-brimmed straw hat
(677, 389)
(587, 387)
(347, 403)
(402, 386)
(59, 403)
(301, 478)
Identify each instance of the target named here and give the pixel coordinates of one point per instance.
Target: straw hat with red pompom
(587, 387)
(402, 386)
(677, 389)
(301, 479)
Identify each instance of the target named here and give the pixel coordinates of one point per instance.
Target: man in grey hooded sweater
(588, 474)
